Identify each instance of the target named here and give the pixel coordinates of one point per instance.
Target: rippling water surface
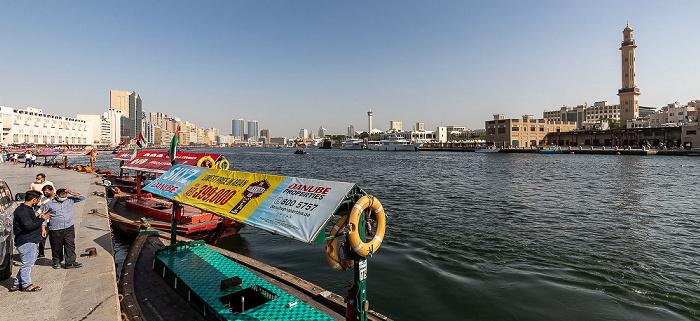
(506, 236)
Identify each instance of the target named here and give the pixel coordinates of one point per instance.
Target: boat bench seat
(196, 273)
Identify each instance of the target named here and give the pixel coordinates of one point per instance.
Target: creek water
(477, 236)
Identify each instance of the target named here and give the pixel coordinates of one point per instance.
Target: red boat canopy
(159, 162)
(74, 152)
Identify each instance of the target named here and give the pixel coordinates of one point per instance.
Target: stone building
(522, 133)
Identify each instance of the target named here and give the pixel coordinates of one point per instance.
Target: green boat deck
(196, 272)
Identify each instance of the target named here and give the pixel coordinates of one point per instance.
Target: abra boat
(549, 150)
(395, 143)
(129, 207)
(220, 285)
(487, 149)
(353, 144)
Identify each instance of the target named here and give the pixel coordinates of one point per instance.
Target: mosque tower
(629, 93)
(369, 115)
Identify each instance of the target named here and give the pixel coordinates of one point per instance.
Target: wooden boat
(147, 295)
(225, 286)
(126, 212)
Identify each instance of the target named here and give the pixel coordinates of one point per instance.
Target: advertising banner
(159, 162)
(174, 181)
(294, 207)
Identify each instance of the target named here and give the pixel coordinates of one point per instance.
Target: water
(506, 236)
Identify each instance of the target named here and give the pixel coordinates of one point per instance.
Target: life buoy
(358, 245)
(332, 255)
(221, 162)
(204, 159)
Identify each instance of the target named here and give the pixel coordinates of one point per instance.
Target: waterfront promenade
(87, 293)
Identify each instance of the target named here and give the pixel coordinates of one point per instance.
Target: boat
(126, 212)
(127, 193)
(555, 149)
(487, 149)
(300, 151)
(191, 280)
(353, 144)
(395, 143)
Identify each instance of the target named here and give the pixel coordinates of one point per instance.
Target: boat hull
(395, 148)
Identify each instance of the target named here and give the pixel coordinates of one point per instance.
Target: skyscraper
(130, 104)
(629, 93)
(351, 131)
(237, 128)
(321, 132)
(253, 130)
(119, 100)
(135, 115)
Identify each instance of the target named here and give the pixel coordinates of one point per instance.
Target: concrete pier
(87, 293)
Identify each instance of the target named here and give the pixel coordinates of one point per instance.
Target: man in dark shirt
(27, 228)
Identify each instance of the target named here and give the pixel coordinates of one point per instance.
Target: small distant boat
(395, 143)
(487, 149)
(549, 150)
(300, 152)
(352, 144)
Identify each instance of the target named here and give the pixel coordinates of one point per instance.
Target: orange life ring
(332, 255)
(358, 245)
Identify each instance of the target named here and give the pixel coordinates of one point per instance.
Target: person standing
(61, 227)
(48, 195)
(27, 158)
(40, 182)
(27, 229)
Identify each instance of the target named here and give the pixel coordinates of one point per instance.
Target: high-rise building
(351, 131)
(395, 125)
(156, 118)
(130, 104)
(629, 93)
(119, 100)
(237, 128)
(303, 133)
(321, 132)
(265, 133)
(135, 115)
(420, 126)
(253, 130)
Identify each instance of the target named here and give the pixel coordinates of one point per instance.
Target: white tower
(629, 93)
(369, 114)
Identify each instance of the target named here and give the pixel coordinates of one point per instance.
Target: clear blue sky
(305, 64)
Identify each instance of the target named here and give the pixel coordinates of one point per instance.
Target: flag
(140, 142)
(134, 154)
(123, 142)
(173, 146)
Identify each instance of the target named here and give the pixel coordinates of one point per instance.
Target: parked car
(7, 210)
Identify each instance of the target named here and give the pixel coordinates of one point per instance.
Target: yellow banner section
(234, 195)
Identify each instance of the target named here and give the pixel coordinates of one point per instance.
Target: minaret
(369, 115)
(629, 93)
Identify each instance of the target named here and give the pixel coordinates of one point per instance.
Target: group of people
(45, 213)
(29, 158)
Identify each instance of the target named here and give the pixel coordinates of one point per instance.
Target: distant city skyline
(293, 65)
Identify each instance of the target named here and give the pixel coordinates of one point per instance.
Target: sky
(306, 64)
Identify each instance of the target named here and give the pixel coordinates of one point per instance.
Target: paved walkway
(87, 293)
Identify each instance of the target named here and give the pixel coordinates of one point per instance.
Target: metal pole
(360, 277)
(175, 218)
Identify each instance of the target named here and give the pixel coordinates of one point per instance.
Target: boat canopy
(297, 208)
(159, 162)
